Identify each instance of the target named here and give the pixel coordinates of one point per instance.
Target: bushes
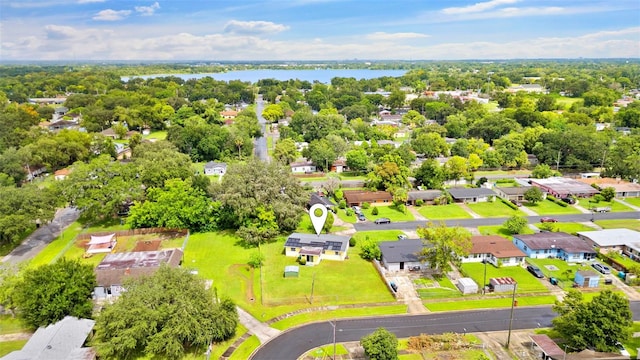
(366, 205)
(342, 204)
(419, 202)
(509, 204)
(374, 211)
(555, 200)
(349, 212)
(352, 242)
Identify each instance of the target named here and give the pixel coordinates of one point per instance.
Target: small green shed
(291, 271)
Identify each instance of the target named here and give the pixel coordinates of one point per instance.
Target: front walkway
(262, 331)
(636, 208)
(471, 212)
(416, 214)
(528, 211)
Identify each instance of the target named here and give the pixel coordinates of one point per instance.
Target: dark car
(414, 268)
(548, 220)
(516, 203)
(535, 271)
(569, 200)
(382, 221)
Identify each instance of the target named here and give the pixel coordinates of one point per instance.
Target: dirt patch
(147, 245)
(238, 270)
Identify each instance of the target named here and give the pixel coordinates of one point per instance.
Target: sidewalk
(416, 214)
(471, 212)
(528, 211)
(262, 331)
(636, 208)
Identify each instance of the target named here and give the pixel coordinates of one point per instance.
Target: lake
(321, 75)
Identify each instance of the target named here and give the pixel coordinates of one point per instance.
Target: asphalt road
(260, 148)
(295, 342)
(412, 225)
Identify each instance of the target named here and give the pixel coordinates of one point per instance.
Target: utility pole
(513, 302)
(484, 284)
(334, 338)
(558, 162)
(604, 155)
(313, 282)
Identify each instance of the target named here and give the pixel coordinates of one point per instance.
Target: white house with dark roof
(302, 167)
(215, 168)
(561, 245)
(622, 241)
(428, 196)
(401, 255)
(315, 248)
(471, 195)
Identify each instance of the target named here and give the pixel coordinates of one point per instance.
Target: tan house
(495, 250)
(61, 174)
(623, 188)
(357, 197)
(315, 248)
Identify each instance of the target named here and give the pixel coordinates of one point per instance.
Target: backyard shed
(291, 271)
(587, 278)
(502, 284)
(467, 286)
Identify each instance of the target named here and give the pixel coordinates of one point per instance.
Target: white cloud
(395, 36)
(253, 27)
(148, 10)
(477, 7)
(111, 15)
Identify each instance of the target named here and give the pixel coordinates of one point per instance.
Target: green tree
(515, 224)
(48, 293)
(321, 153)
(430, 174)
(413, 118)
(455, 168)
(445, 245)
(328, 223)
(285, 151)
(369, 249)
(357, 159)
(22, 208)
(533, 195)
(598, 324)
(390, 174)
(430, 144)
(184, 314)
(380, 345)
(273, 112)
(542, 171)
(160, 161)
(608, 193)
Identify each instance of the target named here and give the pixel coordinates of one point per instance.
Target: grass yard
(58, 246)
(493, 209)
(246, 348)
(342, 215)
(566, 280)
(478, 174)
(633, 201)
(305, 226)
(500, 231)
(615, 206)
(442, 290)
(548, 207)
(325, 351)
(441, 212)
(570, 228)
(12, 325)
(390, 212)
(633, 344)
(526, 282)
(490, 303)
(7, 347)
(158, 135)
(379, 235)
(338, 314)
(221, 347)
(566, 102)
(614, 224)
(491, 106)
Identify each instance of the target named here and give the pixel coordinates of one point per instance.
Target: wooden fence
(132, 232)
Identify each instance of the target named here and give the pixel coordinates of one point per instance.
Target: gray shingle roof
(559, 240)
(325, 241)
(466, 193)
(317, 199)
(423, 194)
(401, 250)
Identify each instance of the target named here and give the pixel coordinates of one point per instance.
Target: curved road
(295, 342)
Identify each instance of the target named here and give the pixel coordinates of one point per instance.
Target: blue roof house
(560, 245)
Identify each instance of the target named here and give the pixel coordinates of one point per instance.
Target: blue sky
(317, 29)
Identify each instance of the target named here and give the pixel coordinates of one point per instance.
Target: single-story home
(561, 245)
(428, 196)
(229, 114)
(339, 165)
(63, 124)
(61, 174)
(401, 254)
(564, 187)
(623, 188)
(471, 195)
(358, 197)
(317, 247)
(109, 133)
(623, 241)
(302, 167)
(115, 267)
(319, 199)
(215, 168)
(61, 340)
(511, 193)
(587, 278)
(495, 250)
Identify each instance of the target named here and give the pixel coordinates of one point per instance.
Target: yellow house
(317, 247)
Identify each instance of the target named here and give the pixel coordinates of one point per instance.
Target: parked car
(601, 268)
(356, 209)
(382, 221)
(569, 200)
(414, 268)
(361, 217)
(535, 271)
(402, 237)
(516, 203)
(548, 220)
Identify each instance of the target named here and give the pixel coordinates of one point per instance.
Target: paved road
(260, 148)
(412, 225)
(37, 241)
(293, 343)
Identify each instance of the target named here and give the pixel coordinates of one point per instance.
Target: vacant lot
(441, 212)
(493, 209)
(548, 207)
(527, 283)
(615, 206)
(614, 224)
(390, 212)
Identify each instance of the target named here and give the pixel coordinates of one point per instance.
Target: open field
(615, 206)
(614, 224)
(390, 212)
(340, 313)
(566, 102)
(493, 209)
(441, 212)
(526, 282)
(379, 235)
(500, 231)
(490, 303)
(548, 207)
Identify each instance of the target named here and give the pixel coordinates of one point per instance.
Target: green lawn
(493, 209)
(500, 231)
(246, 348)
(491, 106)
(633, 201)
(342, 214)
(615, 206)
(57, 246)
(325, 352)
(377, 235)
(570, 228)
(445, 289)
(566, 280)
(615, 224)
(158, 135)
(338, 314)
(390, 212)
(566, 102)
(221, 347)
(441, 212)
(548, 207)
(12, 325)
(490, 303)
(7, 347)
(526, 282)
(633, 344)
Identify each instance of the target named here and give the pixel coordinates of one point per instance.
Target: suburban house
(315, 248)
(115, 267)
(623, 188)
(358, 197)
(427, 196)
(563, 187)
(63, 124)
(339, 165)
(401, 254)
(494, 250)
(561, 245)
(512, 193)
(320, 199)
(215, 168)
(471, 195)
(62, 340)
(229, 114)
(622, 241)
(61, 174)
(302, 167)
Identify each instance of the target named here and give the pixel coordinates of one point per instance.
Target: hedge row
(557, 201)
(509, 204)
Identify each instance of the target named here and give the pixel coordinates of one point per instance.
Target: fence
(132, 232)
(378, 267)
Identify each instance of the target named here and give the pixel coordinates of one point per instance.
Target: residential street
(261, 142)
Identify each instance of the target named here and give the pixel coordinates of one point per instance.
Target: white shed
(467, 286)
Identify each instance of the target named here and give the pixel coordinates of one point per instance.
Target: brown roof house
(357, 197)
(114, 268)
(495, 250)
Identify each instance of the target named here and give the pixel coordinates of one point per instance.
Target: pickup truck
(601, 209)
